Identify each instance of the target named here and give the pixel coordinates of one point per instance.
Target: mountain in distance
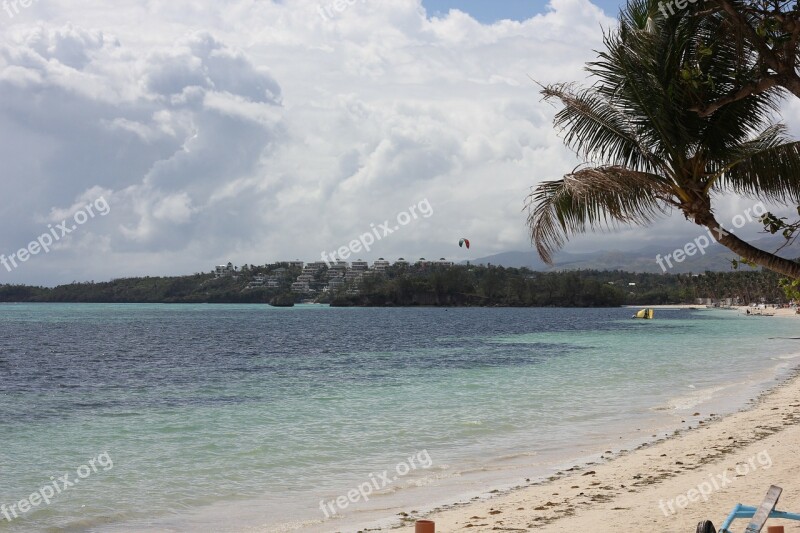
(716, 259)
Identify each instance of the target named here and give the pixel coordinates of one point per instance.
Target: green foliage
(791, 288)
(198, 288)
(498, 286)
(439, 286)
(774, 224)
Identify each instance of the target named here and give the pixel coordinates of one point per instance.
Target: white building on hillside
(381, 265)
(353, 275)
(300, 286)
(360, 265)
(224, 271)
(338, 268)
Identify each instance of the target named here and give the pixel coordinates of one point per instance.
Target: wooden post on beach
(425, 526)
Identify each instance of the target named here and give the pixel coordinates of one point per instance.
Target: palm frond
(593, 198)
(597, 131)
(767, 167)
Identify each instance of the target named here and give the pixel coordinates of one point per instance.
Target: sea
(234, 418)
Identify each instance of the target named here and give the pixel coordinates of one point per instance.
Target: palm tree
(648, 153)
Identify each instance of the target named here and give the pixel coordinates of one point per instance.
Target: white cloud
(275, 131)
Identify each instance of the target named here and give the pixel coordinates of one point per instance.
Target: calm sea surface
(224, 418)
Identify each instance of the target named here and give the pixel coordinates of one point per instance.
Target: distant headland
(419, 283)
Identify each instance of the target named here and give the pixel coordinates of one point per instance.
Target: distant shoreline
(417, 286)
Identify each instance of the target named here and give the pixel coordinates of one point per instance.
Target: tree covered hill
(460, 285)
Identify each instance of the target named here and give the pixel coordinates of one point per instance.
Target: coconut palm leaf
(767, 167)
(593, 198)
(596, 130)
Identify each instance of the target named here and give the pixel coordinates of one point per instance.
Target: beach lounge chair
(759, 515)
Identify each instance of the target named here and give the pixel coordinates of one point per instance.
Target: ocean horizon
(237, 417)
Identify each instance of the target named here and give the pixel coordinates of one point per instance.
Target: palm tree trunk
(767, 260)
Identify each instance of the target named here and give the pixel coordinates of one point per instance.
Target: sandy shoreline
(650, 488)
(739, 309)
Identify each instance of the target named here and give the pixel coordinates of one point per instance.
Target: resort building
(353, 275)
(300, 287)
(319, 276)
(309, 275)
(360, 265)
(338, 268)
(311, 268)
(258, 281)
(336, 284)
(381, 265)
(224, 271)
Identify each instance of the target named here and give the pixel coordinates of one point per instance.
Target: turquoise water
(224, 418)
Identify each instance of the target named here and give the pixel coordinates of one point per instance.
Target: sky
(166, 137)
(488, 12)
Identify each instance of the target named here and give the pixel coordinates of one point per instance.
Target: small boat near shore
(644, 314)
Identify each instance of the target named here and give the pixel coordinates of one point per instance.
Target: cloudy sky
(258, 130)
